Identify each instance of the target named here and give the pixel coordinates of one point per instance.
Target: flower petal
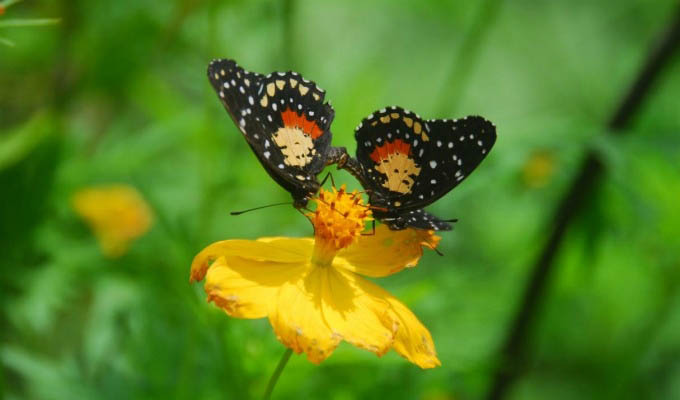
(386, 252)
(245, 288)
(298, 322)
(355, 311)
(275, 249)
(117, 214)
(413, 340)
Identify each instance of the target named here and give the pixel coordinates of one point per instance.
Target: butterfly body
(406, 163)
(284, 120)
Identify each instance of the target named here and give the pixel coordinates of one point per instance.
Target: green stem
(277, 372)
(28, 22)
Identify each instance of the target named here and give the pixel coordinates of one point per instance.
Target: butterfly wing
(419, 219)
(283, 118)
(408, 163)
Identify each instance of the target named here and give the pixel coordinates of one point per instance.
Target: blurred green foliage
(116, 92)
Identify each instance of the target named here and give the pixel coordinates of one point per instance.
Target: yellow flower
(116, 213)
(538, 169)
(310, 289)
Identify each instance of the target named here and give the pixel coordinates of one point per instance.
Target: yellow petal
(413, 340)
(116, 213)
(355, 310)
(276, 249)
(245, 288)
(387, 251)
(298, 323)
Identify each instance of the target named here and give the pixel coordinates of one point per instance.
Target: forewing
(282, 116)
(409, 162)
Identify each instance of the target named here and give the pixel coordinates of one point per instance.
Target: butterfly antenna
(259, 208)
(453, 220)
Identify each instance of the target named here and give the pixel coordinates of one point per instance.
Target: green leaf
(14, 146)
(7, 3)
(6, 42)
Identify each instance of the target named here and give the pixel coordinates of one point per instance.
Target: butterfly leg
(372, 230)
(325, 178)
(302, 210)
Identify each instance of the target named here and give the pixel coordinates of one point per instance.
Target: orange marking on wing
(292, 119)
(382, 152)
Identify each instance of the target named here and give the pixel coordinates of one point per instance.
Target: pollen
(338, 221)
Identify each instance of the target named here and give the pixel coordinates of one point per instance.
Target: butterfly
(406, 163)
(284, 120)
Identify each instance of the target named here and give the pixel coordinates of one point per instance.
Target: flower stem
(277, 372)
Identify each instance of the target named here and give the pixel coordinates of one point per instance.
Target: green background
(117, 92)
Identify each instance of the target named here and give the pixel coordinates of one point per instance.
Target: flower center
(338, 222)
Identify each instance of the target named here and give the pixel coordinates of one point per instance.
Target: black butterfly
(283, 118)
(406, 163)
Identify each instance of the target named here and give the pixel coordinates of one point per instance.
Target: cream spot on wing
(271, 89)
(385, 119)
(408, 121)
(293, 82)
(280, 84)
(398, 168)
(264, 101)
(222, 72)
(303, 89)
(247, 81)
(316, 96)
(394, 115)
(296, 146)
(417, 128)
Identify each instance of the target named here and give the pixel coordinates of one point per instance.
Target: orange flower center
(338, 221)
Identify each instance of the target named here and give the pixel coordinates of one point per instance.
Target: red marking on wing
(382, 152)
(292, 119)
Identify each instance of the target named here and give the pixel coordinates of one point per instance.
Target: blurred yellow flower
(116, 213)
(538, 169)
(310, 289)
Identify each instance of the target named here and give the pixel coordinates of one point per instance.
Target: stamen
(338, 221)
